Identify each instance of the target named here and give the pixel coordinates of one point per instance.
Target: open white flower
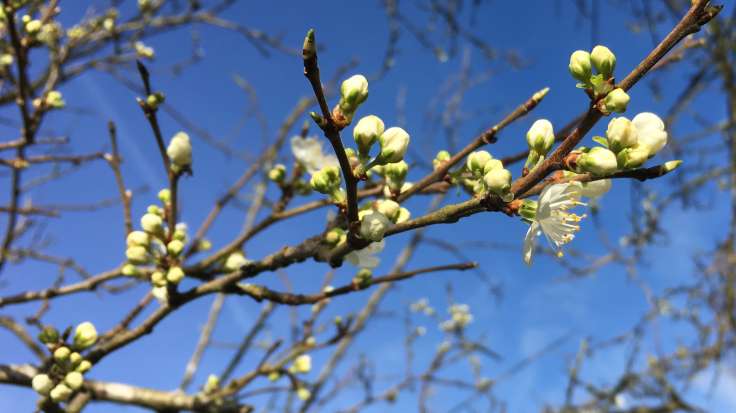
(366, 258)
(552, 218)
(308, 152)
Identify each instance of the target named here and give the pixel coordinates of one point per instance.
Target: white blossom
(552, 218)
(308, 152)
(366, 258)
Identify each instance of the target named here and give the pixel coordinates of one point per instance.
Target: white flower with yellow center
(308, 152)
(550, 217)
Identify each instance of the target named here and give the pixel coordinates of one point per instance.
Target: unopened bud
(152, 223)
(541, 136)
(598, 161)
(60, 393)
(74, 380)
(326, 180)
(373, 226)
(235, 261)
(616, 101)
(498, 181)
(633, 157)
(651, 131)
(175, 247)
(42, 384)
(85, 335)
(138, 238)
(366, 133)
(394, 142)
(277, 173)
(137, 255)
(621, 133)
(603, 60)
(353, 92)
(175, 275)
(580, 65)
(477, 161)
(180, 151)
(62, 353)
(441, 157)
(389, 208)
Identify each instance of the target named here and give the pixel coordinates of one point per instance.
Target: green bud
(235, 261)
(180, 151)
(62, 353)
(75, 358)
(498, 181)
(42, 384)
(541, 136)
(277, 173)
(85, 335)
(175, 247)
(54, 100)
(363, 278)
(633, 157)
(580, 65)
(389, 208)
(670, 166)
(137, 255)
(621, 133)
(212, 384)
(603, 60)
(334, 236)
(477, 161)
(130, 270)
(598, 161)
(49, 335)
(353, 92)
(164, 196)
(83, 366)
(158, 279)
(154, 100)
(441, 157)
(74, 380)
(366, 133)
(138, 239)
(175, 275)
(615, 101)
(394, 142)
(326, 180)
(60, 393)
(152, 224)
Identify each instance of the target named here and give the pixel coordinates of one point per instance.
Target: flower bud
(598, 161)
(174, 275)
(633, 157)
(498, 181)
(366, 132)
(389, 208)
(85, 335)
(62, 353)
(235, 261)
(49, 335)
(303, 393)
(180, 151)
(154, 100)
(302, 364)
(212, 384)
(54, 100)
(164, 196)
(75, 358)
(621, 133)
(334, 236)
(138, 239)
(84, 366)
(616, 101)
(161, 294)
(326, 180)
(152, 223)
(396, 171)
(130, 270)
(670, 166)
(277, 173)
(491, 165)
(353, 92)
(651, 131)
(373, 225)
(603, 60)
(143, 51)
(137, 255)
(175, 247)
(580, 65)
(394, 142)
(42, 384)
(441, 157)
(477, 161)
(404, 215)
(155, 210)
(541, 136)
(74, 380)
(60, 393)
(33, 26)
(158, 279)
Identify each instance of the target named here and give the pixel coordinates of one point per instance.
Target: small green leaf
(601, 140)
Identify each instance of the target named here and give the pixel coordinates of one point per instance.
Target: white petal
(530, 242)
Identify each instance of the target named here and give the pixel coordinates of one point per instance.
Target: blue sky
(536, 308)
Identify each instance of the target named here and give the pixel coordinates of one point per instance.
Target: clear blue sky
(536, 307)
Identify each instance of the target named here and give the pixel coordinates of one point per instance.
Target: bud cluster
(64, 375)
(600, 86)
(155, 246)
(486, 174)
